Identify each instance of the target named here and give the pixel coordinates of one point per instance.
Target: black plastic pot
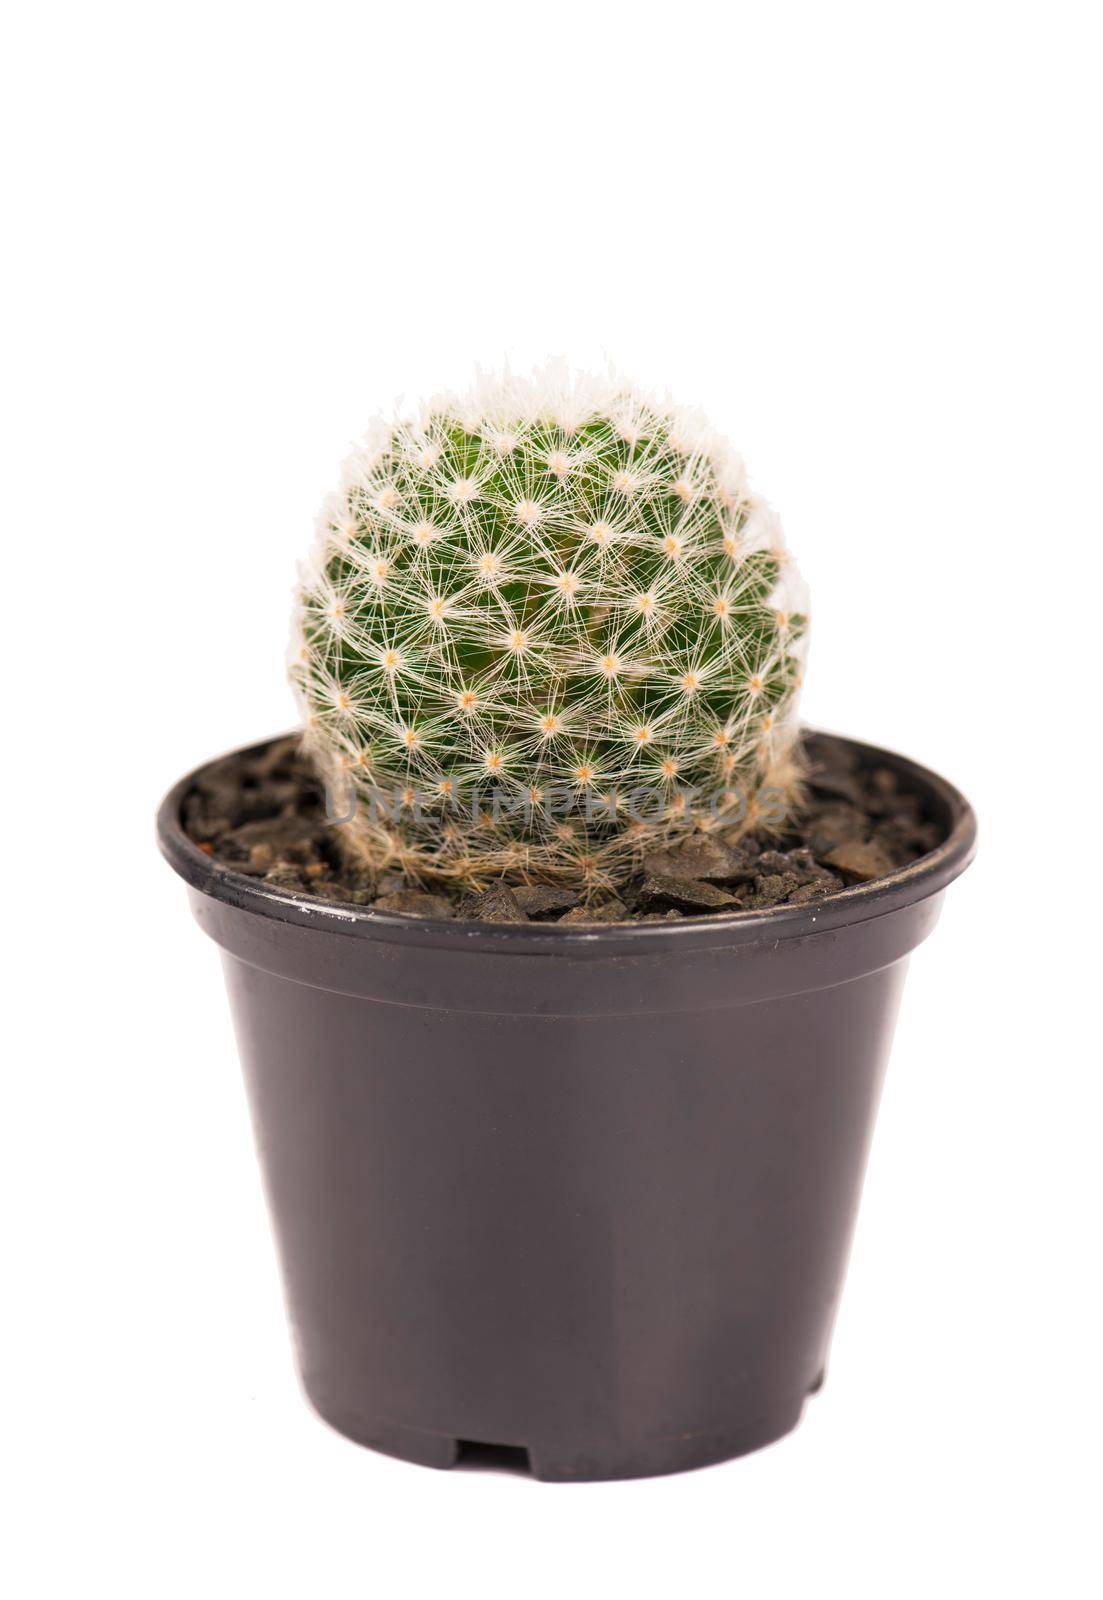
(585, 1192)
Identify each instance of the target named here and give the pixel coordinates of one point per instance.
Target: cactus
(547, 627)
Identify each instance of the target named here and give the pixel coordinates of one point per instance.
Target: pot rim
(917, 881)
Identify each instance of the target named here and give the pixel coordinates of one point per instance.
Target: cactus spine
(547, 625)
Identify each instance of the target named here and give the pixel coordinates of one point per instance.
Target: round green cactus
(546, 627)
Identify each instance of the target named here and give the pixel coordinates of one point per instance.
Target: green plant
(546, 627)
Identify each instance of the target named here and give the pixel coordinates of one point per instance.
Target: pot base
(602, 1461)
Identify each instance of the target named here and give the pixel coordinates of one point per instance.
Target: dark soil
(263, 815)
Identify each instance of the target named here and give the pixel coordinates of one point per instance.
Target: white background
(865, 239)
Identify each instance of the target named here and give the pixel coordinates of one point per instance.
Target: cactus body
(546, 627)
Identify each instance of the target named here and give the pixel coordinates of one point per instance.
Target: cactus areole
(547, 625)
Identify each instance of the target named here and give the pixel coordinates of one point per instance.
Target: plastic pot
(588, 1193)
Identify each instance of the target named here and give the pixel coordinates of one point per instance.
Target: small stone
(702, 858)
(283, 876)
(283, 797)
(860, 863)
(799, 861)
(664, 892)
(608, 911)
(364, 897)
(771, 888)
(329, 890)
(896, 835)
(815, 890)
(772, 861)
(200, 822)
(231, 807)
(904, 832)
(414, 903)
(539, 901)
(802, 860)
(289, 838)
(927, 836)
(881, 794)
(832, 826)
(496, 904)
(836, 784)
(282, 755)
(391, 883)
